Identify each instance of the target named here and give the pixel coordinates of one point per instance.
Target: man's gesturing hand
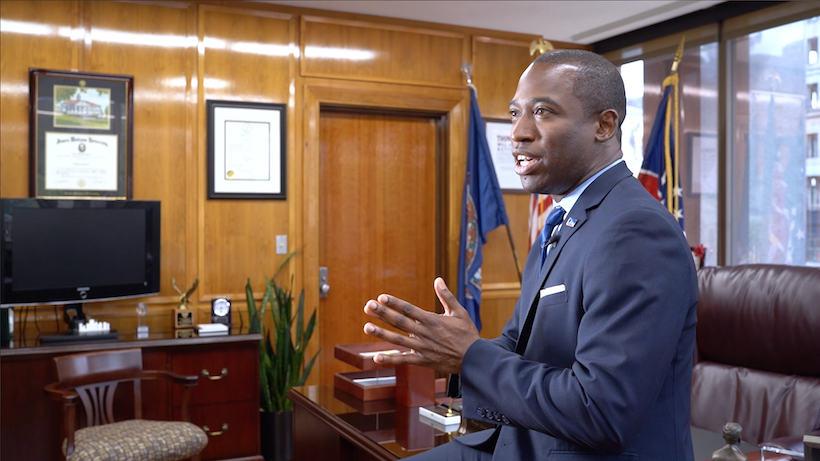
(438, 341)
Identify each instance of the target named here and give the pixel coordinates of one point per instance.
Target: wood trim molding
(502, 41)
(381, 26)
(506, 290)
(308, 67)
(246, 11)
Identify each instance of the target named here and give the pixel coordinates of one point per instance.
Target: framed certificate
(246, 150)
(498, 140)
(80, 135)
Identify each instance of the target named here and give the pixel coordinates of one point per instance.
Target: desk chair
(92, 378)
(757, 358)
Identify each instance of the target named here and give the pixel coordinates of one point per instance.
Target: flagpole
(515, 255)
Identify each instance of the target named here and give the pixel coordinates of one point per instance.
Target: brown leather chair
(93, 378)
(757, 359)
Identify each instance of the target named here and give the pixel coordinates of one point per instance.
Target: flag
(659, 172)
(482, 211)
(540, 208)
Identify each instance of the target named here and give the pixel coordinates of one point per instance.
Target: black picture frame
(80, 135)
(247, 150)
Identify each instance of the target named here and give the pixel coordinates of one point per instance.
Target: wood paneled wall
(184, 53)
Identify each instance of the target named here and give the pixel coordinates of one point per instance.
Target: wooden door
(377, 220)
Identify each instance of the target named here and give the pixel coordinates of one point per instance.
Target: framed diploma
(498, 140)
(80, 135)
(246, 150)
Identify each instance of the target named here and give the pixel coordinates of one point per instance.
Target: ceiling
(583, 22)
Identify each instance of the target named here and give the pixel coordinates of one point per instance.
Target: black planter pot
(276, 435)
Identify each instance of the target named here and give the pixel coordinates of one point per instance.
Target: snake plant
(281, 356)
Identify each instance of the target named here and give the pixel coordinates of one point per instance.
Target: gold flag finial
(541, 46)
(678, 55)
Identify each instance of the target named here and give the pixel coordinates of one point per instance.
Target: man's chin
(529, 186)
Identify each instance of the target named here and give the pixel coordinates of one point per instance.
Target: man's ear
(607, 125)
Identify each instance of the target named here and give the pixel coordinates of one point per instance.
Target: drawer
(241, 438)
(227, 374)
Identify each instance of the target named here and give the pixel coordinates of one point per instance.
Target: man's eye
(540, 111)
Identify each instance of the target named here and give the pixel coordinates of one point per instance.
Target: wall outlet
(281, 244)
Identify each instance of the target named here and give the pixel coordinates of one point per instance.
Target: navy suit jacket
(606, 373)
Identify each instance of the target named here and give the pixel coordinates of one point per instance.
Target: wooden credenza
(225, 402)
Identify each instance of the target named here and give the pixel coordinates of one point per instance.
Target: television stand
(75, 337)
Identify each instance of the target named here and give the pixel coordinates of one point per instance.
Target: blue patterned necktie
(555, 218)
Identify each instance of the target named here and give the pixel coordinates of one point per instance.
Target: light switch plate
(281, 244)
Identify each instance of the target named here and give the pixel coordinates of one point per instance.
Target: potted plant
(281, 361)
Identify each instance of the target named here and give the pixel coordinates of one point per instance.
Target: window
(698, 160)
(632, 128)
(768, 168)
(763, 204)
(813, 215)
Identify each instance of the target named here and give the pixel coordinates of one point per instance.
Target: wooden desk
(329, 424)
(32, 425)
(332, 425)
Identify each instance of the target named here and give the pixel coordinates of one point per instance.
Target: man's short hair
(598, 83)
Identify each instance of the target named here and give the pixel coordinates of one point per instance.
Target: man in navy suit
(595, 363)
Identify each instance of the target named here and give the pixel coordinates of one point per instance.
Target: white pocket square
(552, 290)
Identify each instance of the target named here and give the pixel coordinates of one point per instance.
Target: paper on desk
(211, 327)
(386, 352)
(375, 381)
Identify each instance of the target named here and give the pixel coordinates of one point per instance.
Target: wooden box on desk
(361, 356)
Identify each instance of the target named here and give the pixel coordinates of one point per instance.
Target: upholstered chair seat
(138, 440)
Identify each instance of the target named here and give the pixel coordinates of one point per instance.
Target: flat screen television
(78, 251)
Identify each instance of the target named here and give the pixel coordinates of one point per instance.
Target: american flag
(659, 172)
(540, 208)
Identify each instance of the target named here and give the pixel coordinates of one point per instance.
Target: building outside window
(774, 122)
(813, 214)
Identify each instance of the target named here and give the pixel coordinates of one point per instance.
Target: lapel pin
(571, 222)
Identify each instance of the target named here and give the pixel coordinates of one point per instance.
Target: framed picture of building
(80, 134)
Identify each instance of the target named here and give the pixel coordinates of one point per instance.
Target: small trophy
(183, 316)
(142, 330)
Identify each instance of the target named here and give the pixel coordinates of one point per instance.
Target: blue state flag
(659, 172)
(482, 211)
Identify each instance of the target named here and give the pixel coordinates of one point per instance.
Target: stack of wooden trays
(374, 381)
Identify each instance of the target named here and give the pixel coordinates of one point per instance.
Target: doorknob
(324, 288)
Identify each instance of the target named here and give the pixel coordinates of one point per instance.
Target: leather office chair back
(758, 352)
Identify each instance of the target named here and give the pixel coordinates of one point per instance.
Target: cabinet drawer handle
(215, 433)
(215, 378)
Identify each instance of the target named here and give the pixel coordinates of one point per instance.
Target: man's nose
(522, 130)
